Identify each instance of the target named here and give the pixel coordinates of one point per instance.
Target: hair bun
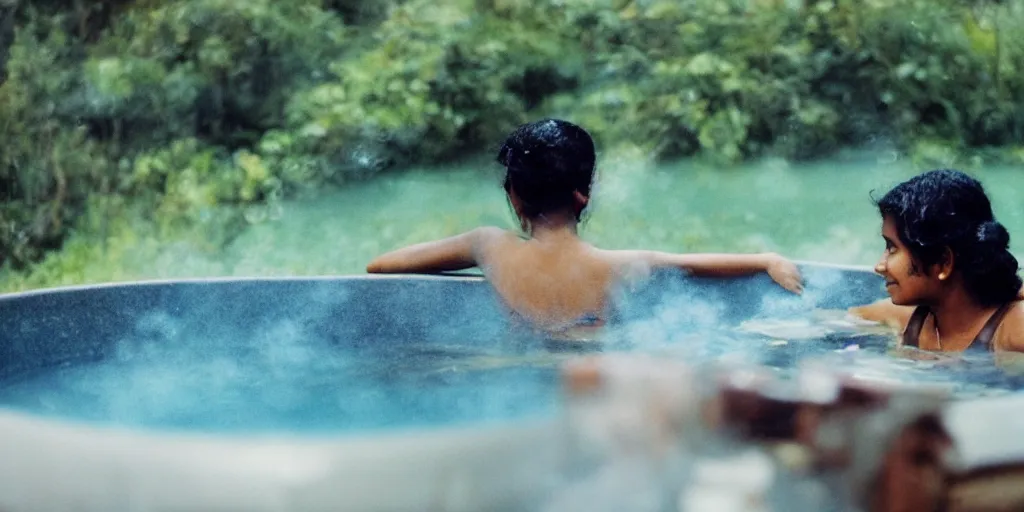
(992, 232)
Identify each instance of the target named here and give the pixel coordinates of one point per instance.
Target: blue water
(295, 388)
(286, 383)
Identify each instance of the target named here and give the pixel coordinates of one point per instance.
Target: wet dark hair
(545, 162)
(947, 208)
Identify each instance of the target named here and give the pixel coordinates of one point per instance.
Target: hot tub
(439, 402)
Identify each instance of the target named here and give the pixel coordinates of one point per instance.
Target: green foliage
(166, 105)
(47, 168)
(739, 79)
(361, 12)
(216, 109)
(440, 79)
(218, 69)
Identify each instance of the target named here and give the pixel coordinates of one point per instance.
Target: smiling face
(908, 283)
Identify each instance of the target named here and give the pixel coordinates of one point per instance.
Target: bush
(439, 81)
(165, 105)
(197, 106)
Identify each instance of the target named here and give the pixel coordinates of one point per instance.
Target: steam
(304, 365)
(757, 322)
(300, 370)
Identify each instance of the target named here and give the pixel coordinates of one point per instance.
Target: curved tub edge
(107, 469)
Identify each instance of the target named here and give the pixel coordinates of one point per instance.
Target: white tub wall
(50, 466)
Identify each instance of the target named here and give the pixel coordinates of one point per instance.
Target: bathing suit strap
(984, 337)
(914, 326)
(989, 330)
(589, 320)
(585, 321)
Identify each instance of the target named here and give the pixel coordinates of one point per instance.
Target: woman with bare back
(549, 275)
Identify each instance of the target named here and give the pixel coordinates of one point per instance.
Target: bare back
(555, 280)
(552, 282)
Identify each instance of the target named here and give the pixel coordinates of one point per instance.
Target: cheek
(906, 266)
(896, 264)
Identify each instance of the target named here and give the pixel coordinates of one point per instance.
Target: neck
(957, 313)
(552, 226)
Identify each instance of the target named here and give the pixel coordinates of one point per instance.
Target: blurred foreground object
(820, 441)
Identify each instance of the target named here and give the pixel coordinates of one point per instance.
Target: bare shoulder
(628, 263)
(1010, 334)
(488, 239)
(632, 260)
(492, 234)
(884, 311)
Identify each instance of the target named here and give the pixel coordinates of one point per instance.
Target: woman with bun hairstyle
(951, 279)
(547, 274)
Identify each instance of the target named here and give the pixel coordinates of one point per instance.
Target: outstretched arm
(783, 271)
(452, 253)
(885, 312)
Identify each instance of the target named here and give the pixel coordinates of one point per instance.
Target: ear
(581, 202)
(944, 268)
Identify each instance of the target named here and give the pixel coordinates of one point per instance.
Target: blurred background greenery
(145, 138)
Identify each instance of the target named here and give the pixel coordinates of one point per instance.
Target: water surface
(821, 211)
(285, 382)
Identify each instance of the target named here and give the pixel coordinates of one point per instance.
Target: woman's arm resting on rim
(781, 270)
(453, 253)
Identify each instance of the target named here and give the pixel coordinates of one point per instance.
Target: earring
(942, 276)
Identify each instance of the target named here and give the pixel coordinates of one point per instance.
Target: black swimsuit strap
(915, 325)
(987, 332)
(912, 333)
